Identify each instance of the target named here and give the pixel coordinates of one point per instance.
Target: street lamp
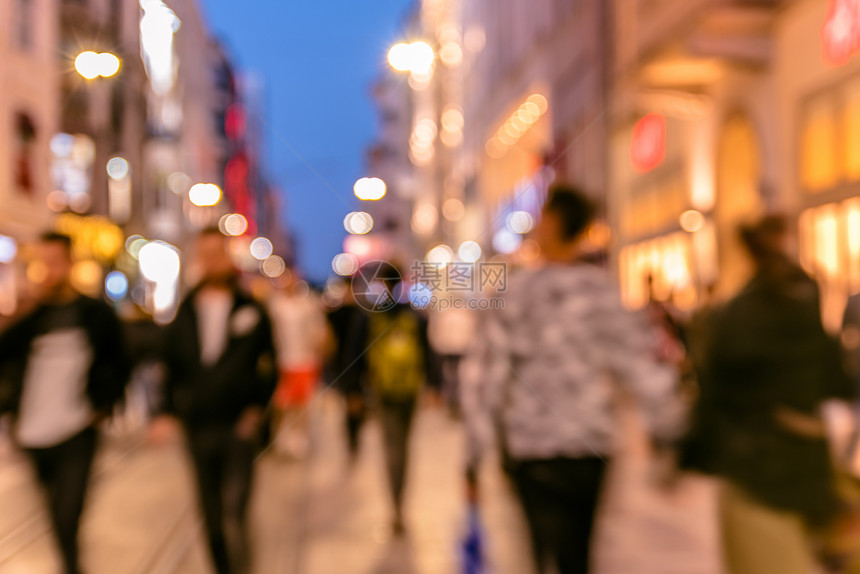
(91, 65)
(416, 58)
(370, 189)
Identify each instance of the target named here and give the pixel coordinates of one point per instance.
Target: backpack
(395, 358)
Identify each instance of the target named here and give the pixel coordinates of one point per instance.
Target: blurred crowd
(740, 390)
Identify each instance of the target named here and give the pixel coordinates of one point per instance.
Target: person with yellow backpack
(396, 365)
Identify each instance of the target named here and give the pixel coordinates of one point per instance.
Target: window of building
(25, 138)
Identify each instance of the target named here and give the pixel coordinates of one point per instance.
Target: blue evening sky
(318, 60)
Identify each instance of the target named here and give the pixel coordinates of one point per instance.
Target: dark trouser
(450, 367)
(396, 418)
(355, 414)
(560, 497)
(64, 472)
(224, 465)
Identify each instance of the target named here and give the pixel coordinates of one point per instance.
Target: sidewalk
(346, 526)
(321, 516)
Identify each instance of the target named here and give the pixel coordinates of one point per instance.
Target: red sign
(840, 35)
(648, 147)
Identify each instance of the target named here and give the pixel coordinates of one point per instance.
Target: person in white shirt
(70, 369)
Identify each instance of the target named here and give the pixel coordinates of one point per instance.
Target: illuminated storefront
(656, 252)
(822, 98)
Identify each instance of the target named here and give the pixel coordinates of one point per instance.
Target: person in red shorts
(301, 336)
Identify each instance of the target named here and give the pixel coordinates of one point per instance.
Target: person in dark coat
(768, 367)
(65, 367)
(221, 374)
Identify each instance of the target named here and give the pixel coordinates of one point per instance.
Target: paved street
(323, 516)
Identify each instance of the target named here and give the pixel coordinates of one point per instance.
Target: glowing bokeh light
(116, 285)
(692, 221)
(358, 223)
(273, 267)
(261, 248)
(8, 249)
(469, 251)
(159, 262)
(345, 264)
(441, 255)
(88, 65)
(370, 189)
(117, 168)
(91, 65)
(520, 222)
(400, 57)
(233, 224)
(204, 194)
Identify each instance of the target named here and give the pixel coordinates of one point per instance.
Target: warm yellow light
(400, 57)
(540, 101)
(441, 256)
(88, 65)
(233, 224)
(273, 267)
(452, 119)
(370, 189)
(204, 194)
(692, 221)
(424, 219)
(421, 58)
(91, 65)
(109, 65)
(417, 58)
(451, 54)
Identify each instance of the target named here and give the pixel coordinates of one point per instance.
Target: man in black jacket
(67, 368)
(221, 374)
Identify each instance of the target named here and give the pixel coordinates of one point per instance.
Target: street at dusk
(430, 287)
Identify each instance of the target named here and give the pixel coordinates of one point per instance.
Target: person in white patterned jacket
(540, 377)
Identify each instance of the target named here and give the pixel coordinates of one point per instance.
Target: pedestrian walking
(302, 337)
(397, 364)
(68, 369)
(348, 327)
(221, 374)
(767, 367)
(540, 379)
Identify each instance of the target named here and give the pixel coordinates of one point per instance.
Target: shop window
(25, 138)
(666, 264)
(830, 251)
(851, 130)
(820, 169)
